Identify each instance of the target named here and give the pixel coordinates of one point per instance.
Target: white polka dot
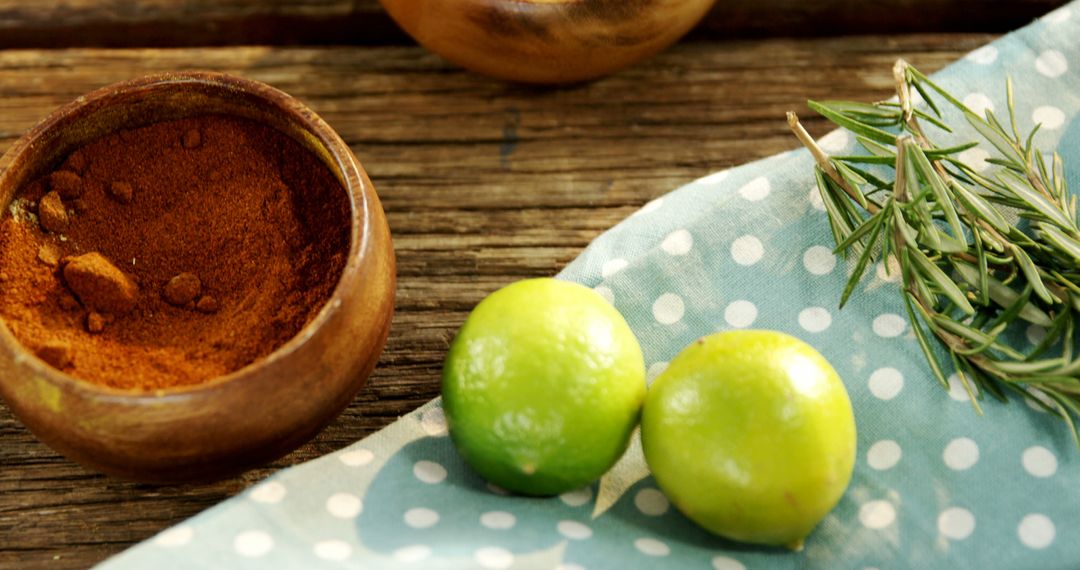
(835, 141)
(577, 497)
(889, 325)
(956, 523)
(253, 543)
(886, 383)
(890, 273)
(496, 489)
(726, 563)
(656, 369)
(819, 260)
(606, 293)
(1035, 334)
(1051, 63)
(740, 314)
(1036, 531)
(983, 56)
(978, 103)
(493, 557)
(1041, 396)
(1049, 117)
(975, 158)
(650, 207)
(715, 178)
(652, 547)
(1039, 461)
(815, 199)
(1057, 16)
(883, 455)
(268, 493)
(429, 472)
(613, 266)
(334, 550)
(678, 242)
(498, 520)
(651, 502)
(961, 454)
(412, 554)
(815, 319)
(574, 530)
(755, 190)
(433, 422)
(344, 505)
(173, 537)
(957, 390)
(877, 514)
(357, 457)
(421, 517)
(747, 250)
(668, 309)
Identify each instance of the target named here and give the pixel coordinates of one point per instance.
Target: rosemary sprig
(980, 252)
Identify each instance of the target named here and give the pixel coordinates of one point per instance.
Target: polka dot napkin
(935, 485)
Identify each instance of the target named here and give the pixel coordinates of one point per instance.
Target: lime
(751, 435)
(543, 386)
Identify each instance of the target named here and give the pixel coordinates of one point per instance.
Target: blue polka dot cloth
(935, 485)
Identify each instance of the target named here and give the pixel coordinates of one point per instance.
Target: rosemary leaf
(993, 136)
(860, 232)
(921, 164)
(962, 373)
(1031, 273)
(924, 344)
(876, 149)
(1023, 191)
(1064, 243)
(937, 277)
(868, 131)
(864, 159)
(864, 257)
(940, 153)
(839, 222)
(1001, 294)
(979, 207)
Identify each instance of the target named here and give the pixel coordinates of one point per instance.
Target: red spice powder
(171, 254)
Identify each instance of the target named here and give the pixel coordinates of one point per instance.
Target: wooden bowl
(546, 41)
(249, 416)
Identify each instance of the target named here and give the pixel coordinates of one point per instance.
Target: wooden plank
(116, 23)
(484, 183)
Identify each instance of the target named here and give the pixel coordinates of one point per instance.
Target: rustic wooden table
(484, 183)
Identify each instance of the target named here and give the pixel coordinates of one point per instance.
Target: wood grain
(66, 23)
(484, 183)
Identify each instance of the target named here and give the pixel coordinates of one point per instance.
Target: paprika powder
(171, 254)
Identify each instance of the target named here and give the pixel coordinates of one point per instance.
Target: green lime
(751, 435)
(543, 386)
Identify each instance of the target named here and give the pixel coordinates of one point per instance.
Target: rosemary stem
(823, 161)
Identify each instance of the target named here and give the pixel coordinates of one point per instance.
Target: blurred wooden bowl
(546, 41)
(249, 416)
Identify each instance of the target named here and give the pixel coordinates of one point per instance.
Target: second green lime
(751, 435)
(543, 386)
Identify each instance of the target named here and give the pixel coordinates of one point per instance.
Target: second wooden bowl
(546, 41)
